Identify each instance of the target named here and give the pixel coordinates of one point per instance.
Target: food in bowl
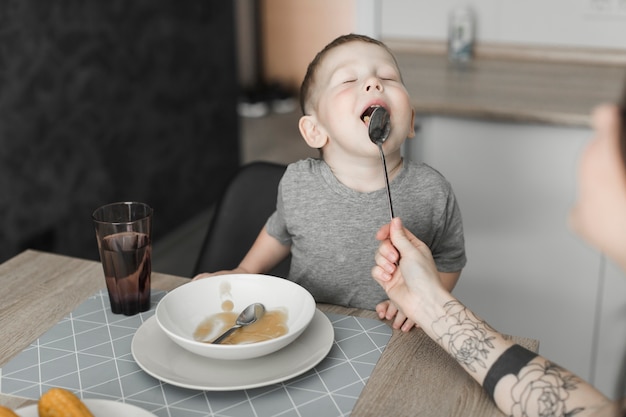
(271, 325)
(182, 310)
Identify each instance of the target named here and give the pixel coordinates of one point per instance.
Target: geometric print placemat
(89, 353)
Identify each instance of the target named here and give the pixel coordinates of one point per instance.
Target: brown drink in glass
(123, 232)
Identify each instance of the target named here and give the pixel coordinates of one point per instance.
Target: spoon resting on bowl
(249, 315)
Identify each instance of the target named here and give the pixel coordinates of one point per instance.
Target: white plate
(99, 408)
(160, 357)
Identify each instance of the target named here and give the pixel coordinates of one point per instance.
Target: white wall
(570, 23)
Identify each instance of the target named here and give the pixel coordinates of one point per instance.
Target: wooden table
(413, 376)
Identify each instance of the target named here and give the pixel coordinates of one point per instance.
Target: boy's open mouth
(367, 114)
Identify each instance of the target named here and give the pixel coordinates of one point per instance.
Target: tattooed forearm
(463, 335)
(529, 387)
(543, 388)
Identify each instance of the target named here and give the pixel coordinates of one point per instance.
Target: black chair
(240, 214)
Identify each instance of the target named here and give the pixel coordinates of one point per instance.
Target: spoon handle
(225, 334)
(382, 156)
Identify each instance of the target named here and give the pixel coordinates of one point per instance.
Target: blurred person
(520, 382)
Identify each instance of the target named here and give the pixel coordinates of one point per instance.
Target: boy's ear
(313, 134)
(412, 127)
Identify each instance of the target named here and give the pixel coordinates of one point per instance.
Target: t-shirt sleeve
(276, 225)
(448, 247)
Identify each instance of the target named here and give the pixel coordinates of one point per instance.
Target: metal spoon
(378, 129)
(248, 316)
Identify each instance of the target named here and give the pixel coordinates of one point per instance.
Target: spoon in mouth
(379, 126)
(249, 315)
(378, 129)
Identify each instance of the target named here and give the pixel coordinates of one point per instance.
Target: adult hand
(413, 282)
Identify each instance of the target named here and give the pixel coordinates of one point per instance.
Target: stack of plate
(165, 348)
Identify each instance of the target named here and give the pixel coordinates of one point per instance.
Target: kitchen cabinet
(527, 273)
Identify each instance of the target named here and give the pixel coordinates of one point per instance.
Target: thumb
(399, 237)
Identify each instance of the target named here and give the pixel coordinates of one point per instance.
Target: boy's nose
(373, 83)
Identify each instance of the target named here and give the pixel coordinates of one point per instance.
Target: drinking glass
(124, 235)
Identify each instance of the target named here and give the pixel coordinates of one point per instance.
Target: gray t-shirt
(332, 228)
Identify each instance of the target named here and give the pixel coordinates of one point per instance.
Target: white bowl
(181, 311)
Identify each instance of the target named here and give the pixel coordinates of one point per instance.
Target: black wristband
(510, 362)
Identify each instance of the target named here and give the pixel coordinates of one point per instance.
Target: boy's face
(351, 79)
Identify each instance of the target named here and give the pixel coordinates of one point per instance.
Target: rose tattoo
(464, 335)
(544, 388)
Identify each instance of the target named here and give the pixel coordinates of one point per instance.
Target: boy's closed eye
(389, 77)
(388, 74)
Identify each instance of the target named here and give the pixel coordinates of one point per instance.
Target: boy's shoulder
(306, 164)
(304, 167)
(422, 177)
(305, 174)
(422, 169)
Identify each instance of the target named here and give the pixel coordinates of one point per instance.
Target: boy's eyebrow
(344, 66)
(338, 72)
(341, 65)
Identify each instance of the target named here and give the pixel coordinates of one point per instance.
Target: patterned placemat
(89, 352)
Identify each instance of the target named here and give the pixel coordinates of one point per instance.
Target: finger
(386, 262)
(392, 311)
(380, 275)
(383, 232)
(387, 250)
(399, 321)
(200, 276)
(397, 234)
(403, 239)
(381, 309)
(403, 322)
(408, 325)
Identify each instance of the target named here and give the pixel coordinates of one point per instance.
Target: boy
(341, 197)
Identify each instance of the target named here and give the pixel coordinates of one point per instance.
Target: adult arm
(388, 311)
(520, 382)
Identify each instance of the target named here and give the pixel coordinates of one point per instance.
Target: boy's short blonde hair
(309, 79)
